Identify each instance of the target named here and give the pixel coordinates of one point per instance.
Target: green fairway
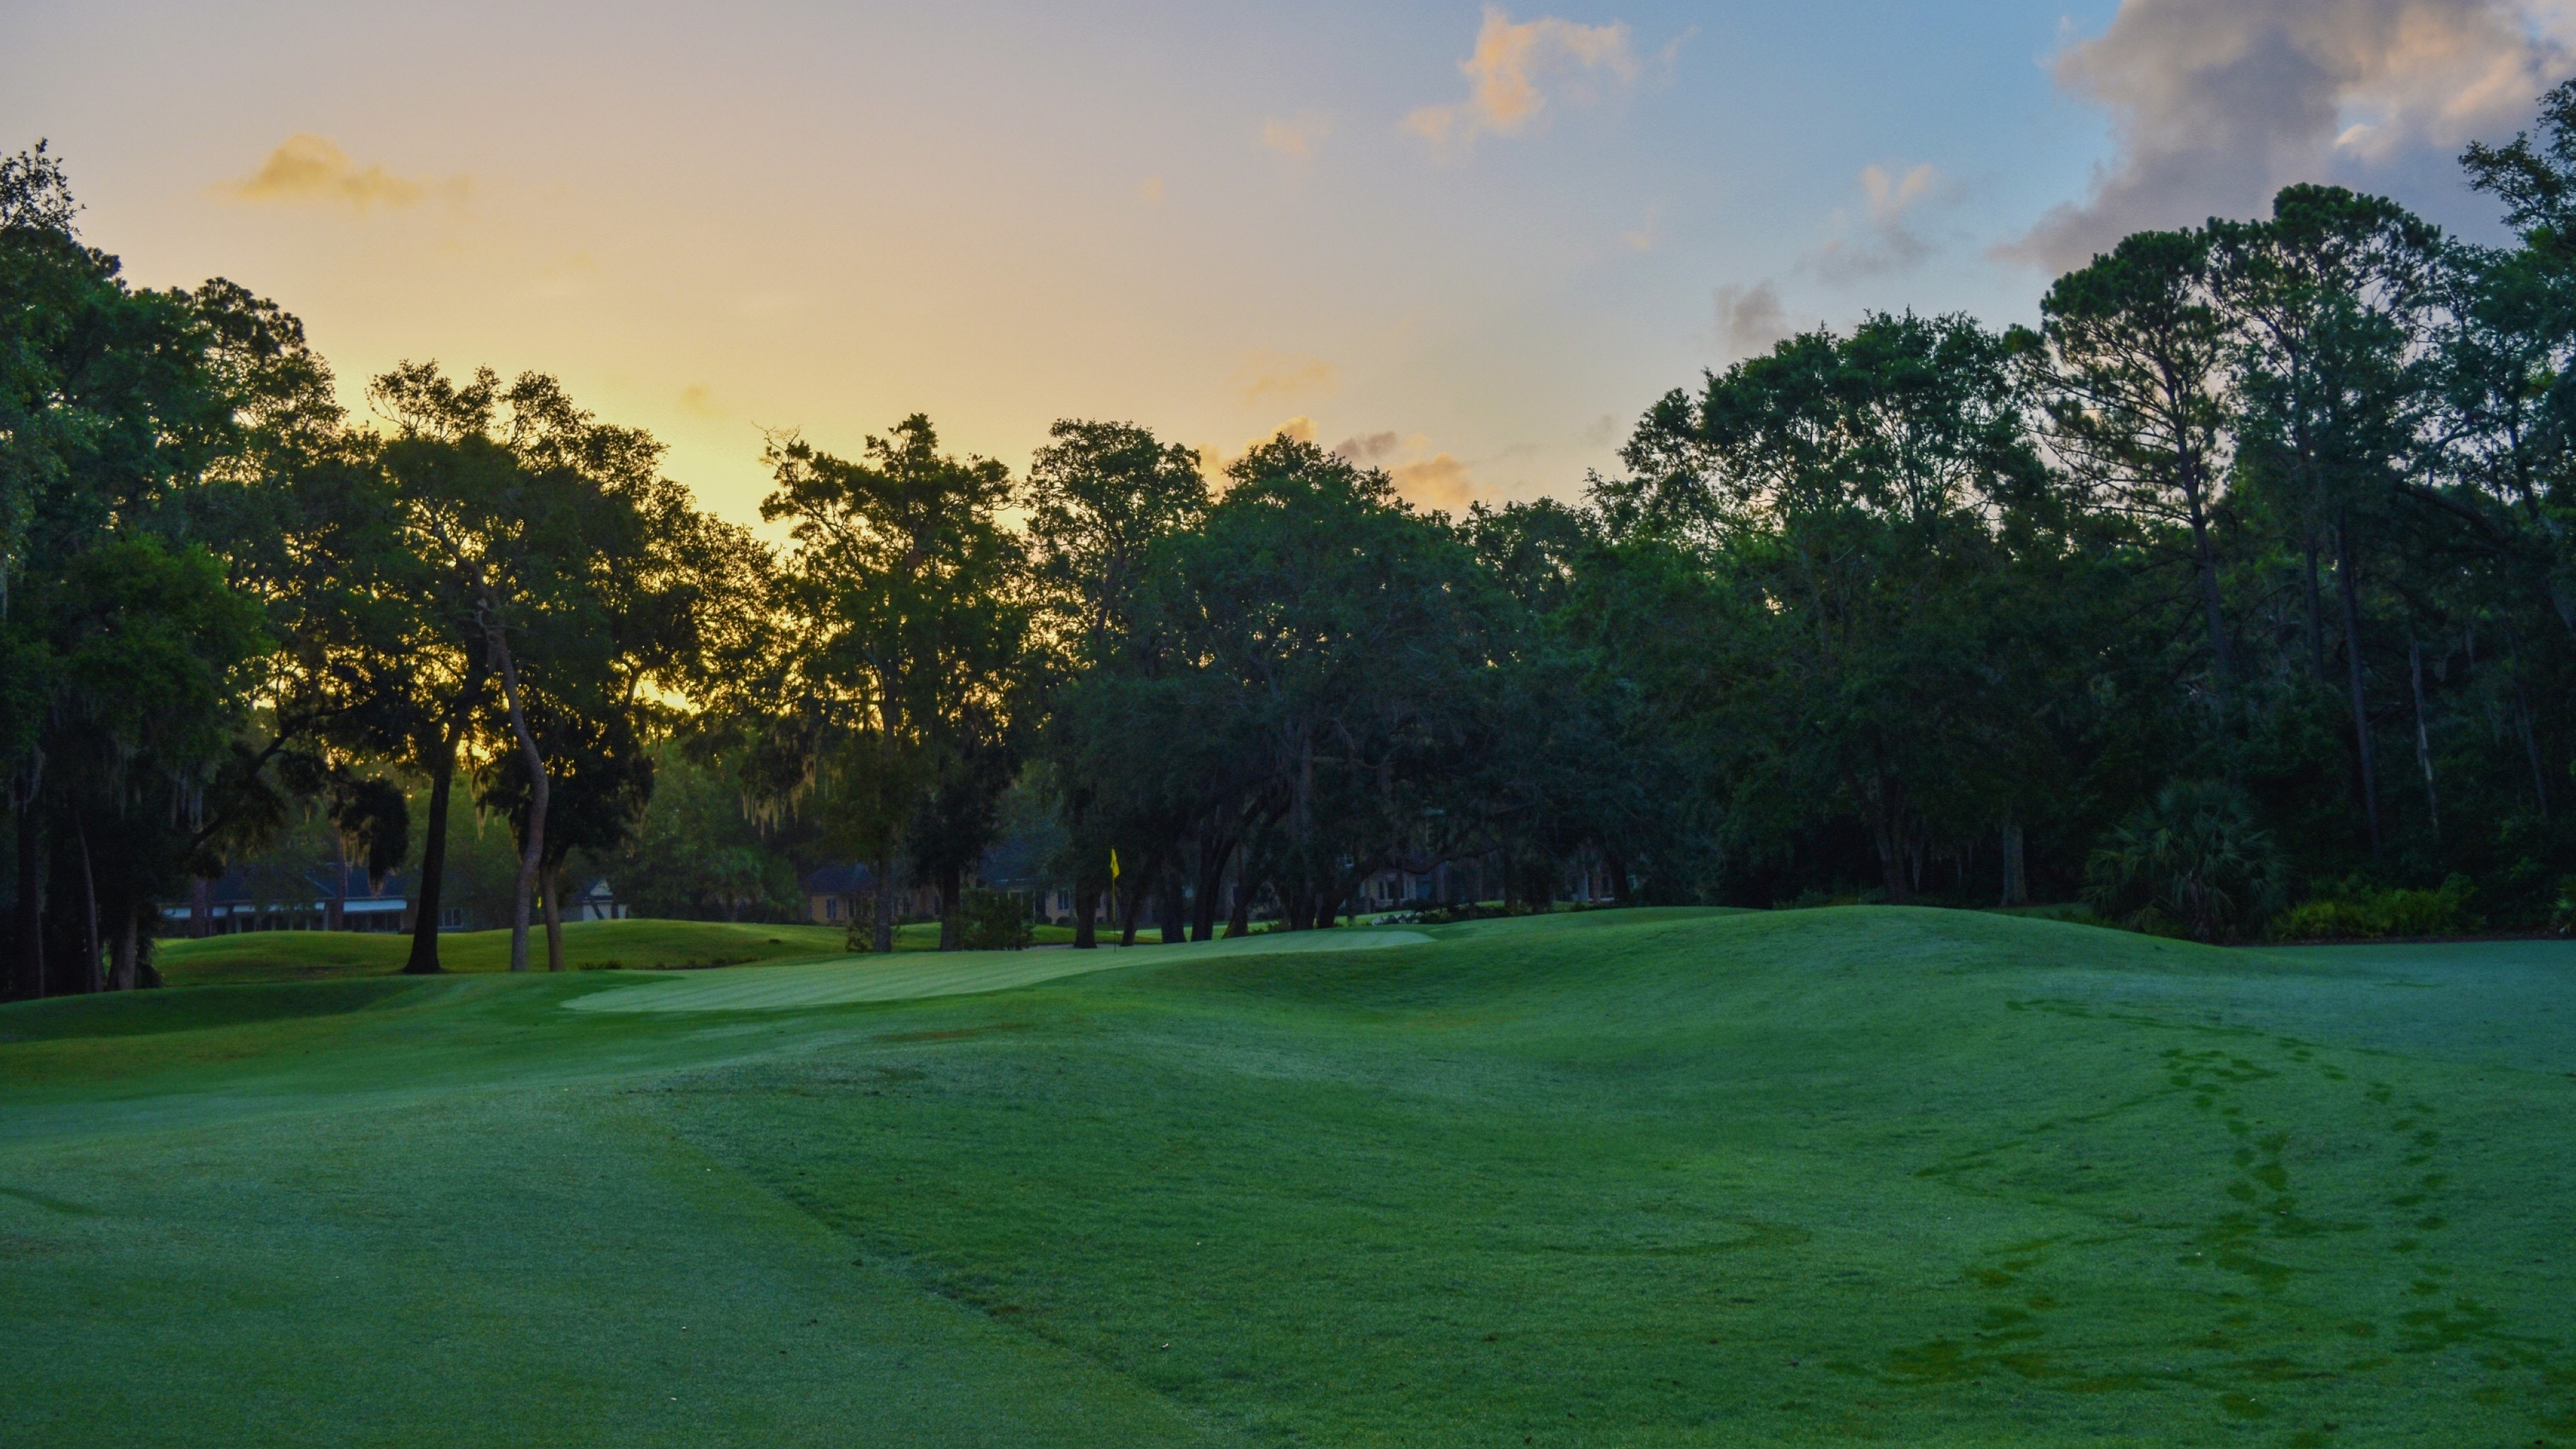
(258, 957)
(1619, 1178)
(960, 973)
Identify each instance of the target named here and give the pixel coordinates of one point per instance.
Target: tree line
(2244, 576)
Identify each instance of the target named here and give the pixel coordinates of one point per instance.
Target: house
(835, 895)
(596, 903)
(326, 897)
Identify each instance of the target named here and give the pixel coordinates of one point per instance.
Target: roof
(837, 880)
(324, 881)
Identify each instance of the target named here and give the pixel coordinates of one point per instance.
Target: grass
(1618, 1178)
(259, 957)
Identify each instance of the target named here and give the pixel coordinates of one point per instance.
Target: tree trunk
(126, 947)
(1130, 903)
(554, 917)
(31, 891)
(884, 869)
(2423, 734)
(2016, 879)
(90, 984)
(1086, 910)
(2316, 613)
(1238, 921)
(1887, 835)
(952, 885)
(532, 850)
(2351, 591)
(1171, 907)
(433, 856)
(1211, 884)
(2206, 554)
(2530, 744)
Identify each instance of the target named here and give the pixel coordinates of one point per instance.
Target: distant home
(838, 894)
(331, 897)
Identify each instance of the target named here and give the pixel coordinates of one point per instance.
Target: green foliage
(990, 920)
(2357, 913)
(890, 697)
(699, 853)
(2194, 860)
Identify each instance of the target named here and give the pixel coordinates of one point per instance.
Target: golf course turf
(1620, 1178)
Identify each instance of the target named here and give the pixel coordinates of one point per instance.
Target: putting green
(956, 973)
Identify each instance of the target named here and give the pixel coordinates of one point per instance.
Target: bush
(2359, 914)
(994, 921)
(2192, 862)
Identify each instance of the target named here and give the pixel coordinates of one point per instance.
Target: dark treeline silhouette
(2244, 579)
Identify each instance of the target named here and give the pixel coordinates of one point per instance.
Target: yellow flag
(1113, 867)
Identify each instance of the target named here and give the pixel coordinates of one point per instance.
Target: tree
(2332, 294)
(1101, 498)
(122, 644)
(901, 594)
(2195, 858)
(1846, 492)
(2133, 384)
(550, 557)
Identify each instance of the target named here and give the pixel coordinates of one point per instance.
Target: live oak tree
(905, 623)
(124, 649)
(558, 577)
(1101, 496)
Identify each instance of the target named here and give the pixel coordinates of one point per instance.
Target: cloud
(308, 169)
(1890, 197)
(1434, 481)
(1874, 254)
(1439, 481)
(1750, 320)
(1882, 243)
(2216, 104)
(1296, 140)
(1508, 68)
(1214, 458)
(1643, 238)
(1370, 449)
(1267, 375)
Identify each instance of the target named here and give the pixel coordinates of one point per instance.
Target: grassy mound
(1634, 1178)
(264, 956)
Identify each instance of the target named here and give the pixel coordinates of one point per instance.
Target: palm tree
(2194, 858)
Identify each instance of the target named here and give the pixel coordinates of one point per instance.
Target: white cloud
(1510, 68)
(1890, 196)
(309, 169)
(1269, 375)
(2216, 104)
(1296, 139)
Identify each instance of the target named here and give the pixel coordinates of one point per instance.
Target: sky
(1469, 244)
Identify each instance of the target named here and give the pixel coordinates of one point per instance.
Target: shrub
(994, 920)
(2357, 913)
(2194, 860)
